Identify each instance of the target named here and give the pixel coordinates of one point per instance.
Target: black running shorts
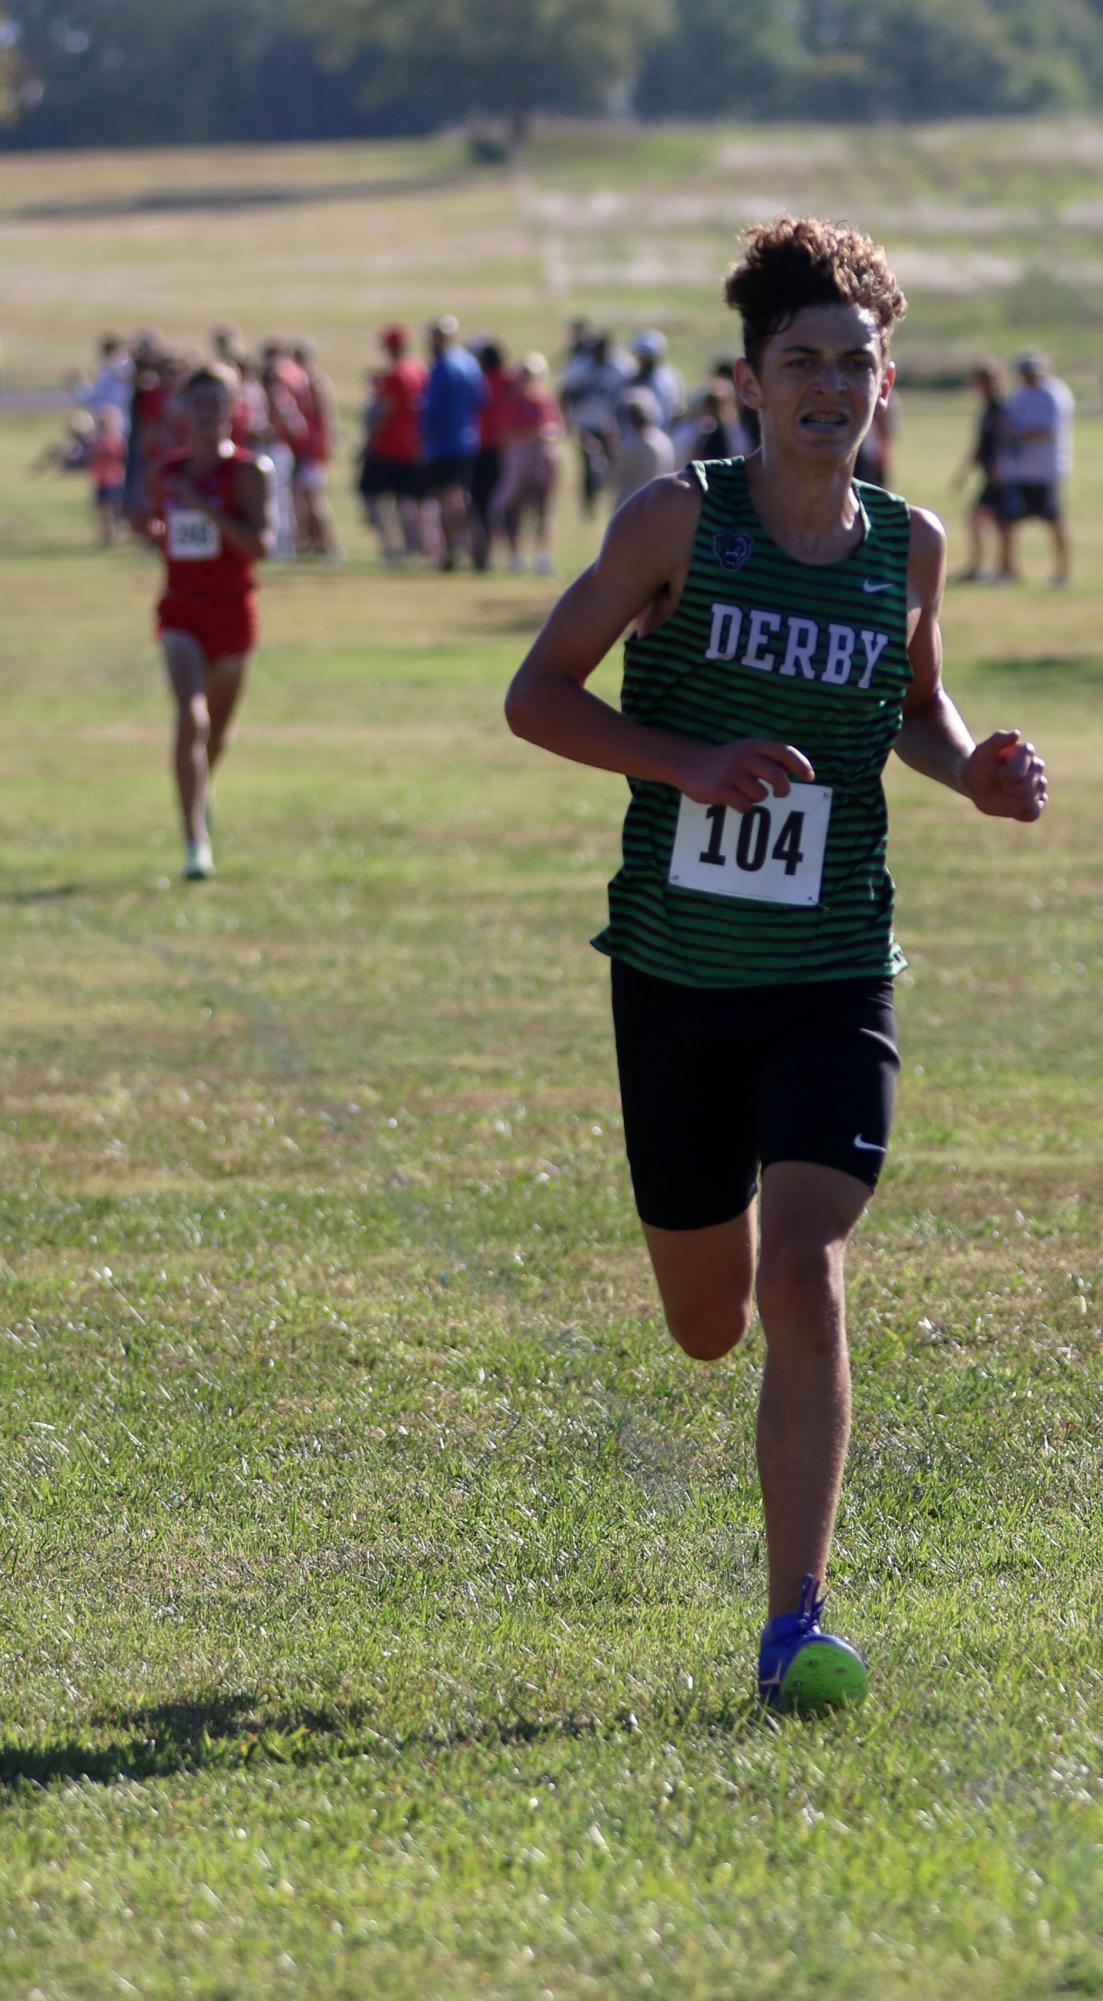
(720, 1082)
(1032, 500)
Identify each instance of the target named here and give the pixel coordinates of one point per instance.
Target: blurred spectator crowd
(131, 419)
(460, 450)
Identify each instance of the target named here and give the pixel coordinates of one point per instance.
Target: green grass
(381, 1587)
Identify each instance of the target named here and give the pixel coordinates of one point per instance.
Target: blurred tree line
(120, 72)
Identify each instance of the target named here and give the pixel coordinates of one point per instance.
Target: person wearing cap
(590, 389)
(1038, 420)
(655, 373)
(390, 463)
(454, 396)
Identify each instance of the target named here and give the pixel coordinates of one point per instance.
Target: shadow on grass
(232, 1732)
(178, 201)
(1070, 667)
(54, 894)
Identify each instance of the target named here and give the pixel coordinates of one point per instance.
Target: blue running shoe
(802, 1668)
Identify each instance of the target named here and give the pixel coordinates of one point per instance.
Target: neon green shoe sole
(825, 1674)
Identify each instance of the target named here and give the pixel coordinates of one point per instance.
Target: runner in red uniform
(210, 512)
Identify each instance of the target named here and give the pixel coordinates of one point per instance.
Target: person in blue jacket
(454, 396)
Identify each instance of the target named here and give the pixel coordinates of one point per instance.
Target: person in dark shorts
(454, 396)
(486, 473)
(390, 474)
(784, 640)
(1038, 417)
(990, 508)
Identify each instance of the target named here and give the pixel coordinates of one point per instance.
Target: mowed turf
(381, 1588)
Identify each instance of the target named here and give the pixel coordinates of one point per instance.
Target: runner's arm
(636, 577)
(253, 528)
(147, 517)
(1003, 775)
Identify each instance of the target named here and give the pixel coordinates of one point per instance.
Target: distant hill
(995, 228)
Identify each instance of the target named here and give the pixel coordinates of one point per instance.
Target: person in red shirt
(210, 512)
(146, 414)
(501, 391)
(532, 427)
(313, 392)
(390, 462)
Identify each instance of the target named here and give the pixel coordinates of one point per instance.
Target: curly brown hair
(794, 263)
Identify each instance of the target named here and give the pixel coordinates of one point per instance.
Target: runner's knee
(708, 1337)
(195, 720)
(795, 1280)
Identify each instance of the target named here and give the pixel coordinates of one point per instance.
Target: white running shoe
(198, 862)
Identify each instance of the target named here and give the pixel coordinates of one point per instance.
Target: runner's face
(819, 382)
(209, 413)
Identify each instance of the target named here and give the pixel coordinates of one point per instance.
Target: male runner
(785, 640)
(1038, 428)
(211, 513)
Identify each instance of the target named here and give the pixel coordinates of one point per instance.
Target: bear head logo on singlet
(732, 551)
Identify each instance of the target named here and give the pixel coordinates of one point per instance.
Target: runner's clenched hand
(1006, 777)
(739, 774)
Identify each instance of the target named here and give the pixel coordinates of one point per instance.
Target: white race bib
(773, 853)
(192, 536)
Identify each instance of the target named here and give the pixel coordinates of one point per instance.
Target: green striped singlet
(814, 655)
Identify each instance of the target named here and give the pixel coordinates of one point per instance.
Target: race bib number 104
(772, 853)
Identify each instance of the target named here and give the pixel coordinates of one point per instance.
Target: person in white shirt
(1038, 438)
(655, 373)
(590, 389)
(113, 388)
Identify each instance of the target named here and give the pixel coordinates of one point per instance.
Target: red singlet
(210, 587)
(398, 433)
(494, 418)
(314, 445)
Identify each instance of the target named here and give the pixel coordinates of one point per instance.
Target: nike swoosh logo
(867, 1145)
(869, 585)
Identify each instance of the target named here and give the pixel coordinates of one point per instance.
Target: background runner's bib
(204, 565)
(191, 537)
(773, 853)
(813, 655)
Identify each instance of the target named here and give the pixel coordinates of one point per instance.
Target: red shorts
(223, 626)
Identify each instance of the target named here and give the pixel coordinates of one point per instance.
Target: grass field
(380, 1587)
